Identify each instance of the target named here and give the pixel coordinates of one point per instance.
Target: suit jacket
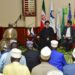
(57, 59)
(16, 68)
(32, 58)
(69, 69)
(44, 34)
(47, 33)
(42, 69)
(65, 29)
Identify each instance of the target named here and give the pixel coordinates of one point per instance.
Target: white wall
(11, 9)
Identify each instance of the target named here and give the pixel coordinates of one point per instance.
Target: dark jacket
(44, 34)
(32, 58)
(47, 33)
(65, 29)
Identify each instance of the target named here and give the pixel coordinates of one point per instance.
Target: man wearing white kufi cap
(15, 68)
(70, 68)
(54, 44)
(1, 74)
(16, 53)
(55, 72)
(6, 59)
(57, 59)
(44, 67)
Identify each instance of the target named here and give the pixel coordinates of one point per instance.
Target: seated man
(70, 68)
(15, 68)
(44, 66)
(68, 35)
(57, 59)
(32, 56)
(6, 59)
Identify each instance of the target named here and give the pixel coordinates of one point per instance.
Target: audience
(57, 59)
(70, 68)
(44, 67)
(15, 68)
(6, 59)
(32, 56)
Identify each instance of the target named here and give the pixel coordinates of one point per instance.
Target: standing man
(57, 59)
(46, 35)
(70, 68)
(15, 68)
(44, 67)
(68, 35)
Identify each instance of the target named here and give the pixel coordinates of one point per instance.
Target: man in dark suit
(46, 35)
(70, 68)
(32, 56)
(68, 35)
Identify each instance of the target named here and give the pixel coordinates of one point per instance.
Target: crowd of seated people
(45, 60)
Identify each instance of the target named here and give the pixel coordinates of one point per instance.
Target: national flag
(69, 13)
(32, 31)
(74, 20)
(28, 32)
(52, 18)
(63, 23)
(58, 26)
(43, 16)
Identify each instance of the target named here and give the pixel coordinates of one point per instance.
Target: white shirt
(68, 33)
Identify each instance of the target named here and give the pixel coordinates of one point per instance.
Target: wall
(11, 9)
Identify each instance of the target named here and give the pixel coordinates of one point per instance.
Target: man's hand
(38, 37)
(47, 38)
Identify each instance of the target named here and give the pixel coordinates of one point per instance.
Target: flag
(43, 16)
(28, 32)
(63, 24)
(52, 18)
(58, 26)
(69, 13)
(32, 32)
(74, 20)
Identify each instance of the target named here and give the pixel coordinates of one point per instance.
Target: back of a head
(13, 44)
(29, 44)
(16, 53)
(45, 53)
(55, 72)
(54, 43)
(1, 74)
